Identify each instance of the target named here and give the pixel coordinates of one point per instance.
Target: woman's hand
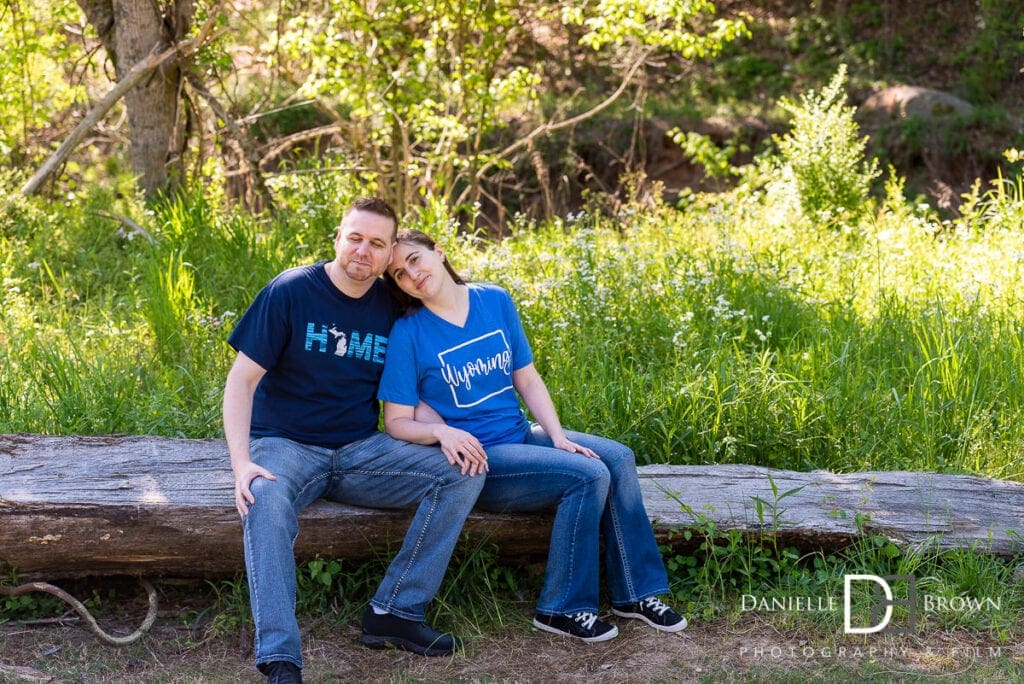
(566, 444)
(462, 449)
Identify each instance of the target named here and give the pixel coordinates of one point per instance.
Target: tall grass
(741, 328)
(709, 336)
(106, 331)
(713, 334)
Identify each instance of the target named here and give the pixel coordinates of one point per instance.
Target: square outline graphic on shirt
(444, 364)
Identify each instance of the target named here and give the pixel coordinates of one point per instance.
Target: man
(300, 419)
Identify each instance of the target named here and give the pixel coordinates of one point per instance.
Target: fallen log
(153, 506)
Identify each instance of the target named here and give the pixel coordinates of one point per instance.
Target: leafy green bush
(825, 154)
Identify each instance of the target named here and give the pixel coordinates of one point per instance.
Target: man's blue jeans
(593, 498)
(377, 472)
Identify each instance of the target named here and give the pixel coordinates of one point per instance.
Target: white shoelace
(585, 619)
(655, 604)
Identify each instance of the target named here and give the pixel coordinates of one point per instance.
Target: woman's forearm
(460, 447)
(534, 392)
(409, 429)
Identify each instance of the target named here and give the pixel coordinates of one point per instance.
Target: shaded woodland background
(494, 108)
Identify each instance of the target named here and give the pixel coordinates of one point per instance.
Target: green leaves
(32, 78)
(425, 87)
(825, 153)
(423, 83)
(676, 25)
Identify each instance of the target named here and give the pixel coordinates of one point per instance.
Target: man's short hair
(374, 205)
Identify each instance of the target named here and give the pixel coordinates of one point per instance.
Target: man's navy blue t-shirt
(323, 352)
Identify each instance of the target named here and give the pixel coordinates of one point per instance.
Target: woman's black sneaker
(582, 625)
(390, 630)
(655, 613)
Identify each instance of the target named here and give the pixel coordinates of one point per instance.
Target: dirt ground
(746, 648)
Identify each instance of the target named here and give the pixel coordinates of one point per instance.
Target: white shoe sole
(661, 628)
(610, 634)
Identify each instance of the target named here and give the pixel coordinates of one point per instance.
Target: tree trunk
(80, 506)
(129, 30)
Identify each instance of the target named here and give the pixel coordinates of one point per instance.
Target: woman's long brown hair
(411, 236)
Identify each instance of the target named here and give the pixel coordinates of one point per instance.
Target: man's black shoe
(281, 672)
(582, 625)
(390, 630)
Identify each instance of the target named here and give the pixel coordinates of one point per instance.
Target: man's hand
(244, 475)
(462, 450)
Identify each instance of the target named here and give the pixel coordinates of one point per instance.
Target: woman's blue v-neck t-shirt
(464, 373)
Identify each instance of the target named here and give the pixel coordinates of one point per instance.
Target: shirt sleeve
(522, 354)
(400, 379)
(262, 332)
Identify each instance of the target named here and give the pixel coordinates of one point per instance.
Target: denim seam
(570, 473)
(572, 553)
(429, 476)
(419, 543)
(276, 657)
(572, 547)
(575, 530)
(298, 495)
(255, 580)
(568, 612)
(254, 601)
(438, 482)
(627, 572)
(255, 589)
(657, 592)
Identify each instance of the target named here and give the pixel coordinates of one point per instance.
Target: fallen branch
(139, 71)
(84, 613)
(282, 145)
(129, 227)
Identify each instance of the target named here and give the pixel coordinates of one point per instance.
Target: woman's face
(418, 270)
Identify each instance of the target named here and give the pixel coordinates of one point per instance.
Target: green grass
(713, 336)
(734, 330)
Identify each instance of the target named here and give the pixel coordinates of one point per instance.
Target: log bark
(116, 505)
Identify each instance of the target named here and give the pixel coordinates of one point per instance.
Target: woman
(461, 351)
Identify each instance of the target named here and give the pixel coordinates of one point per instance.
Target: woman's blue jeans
(377, 472)
(593, 498)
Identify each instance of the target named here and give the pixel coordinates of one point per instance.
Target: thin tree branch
(281, 145)
(133, 228)
(84, 613)
(250, 156)
(550, 127)
(154, 60)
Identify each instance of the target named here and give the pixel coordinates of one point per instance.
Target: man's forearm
(237, 419)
